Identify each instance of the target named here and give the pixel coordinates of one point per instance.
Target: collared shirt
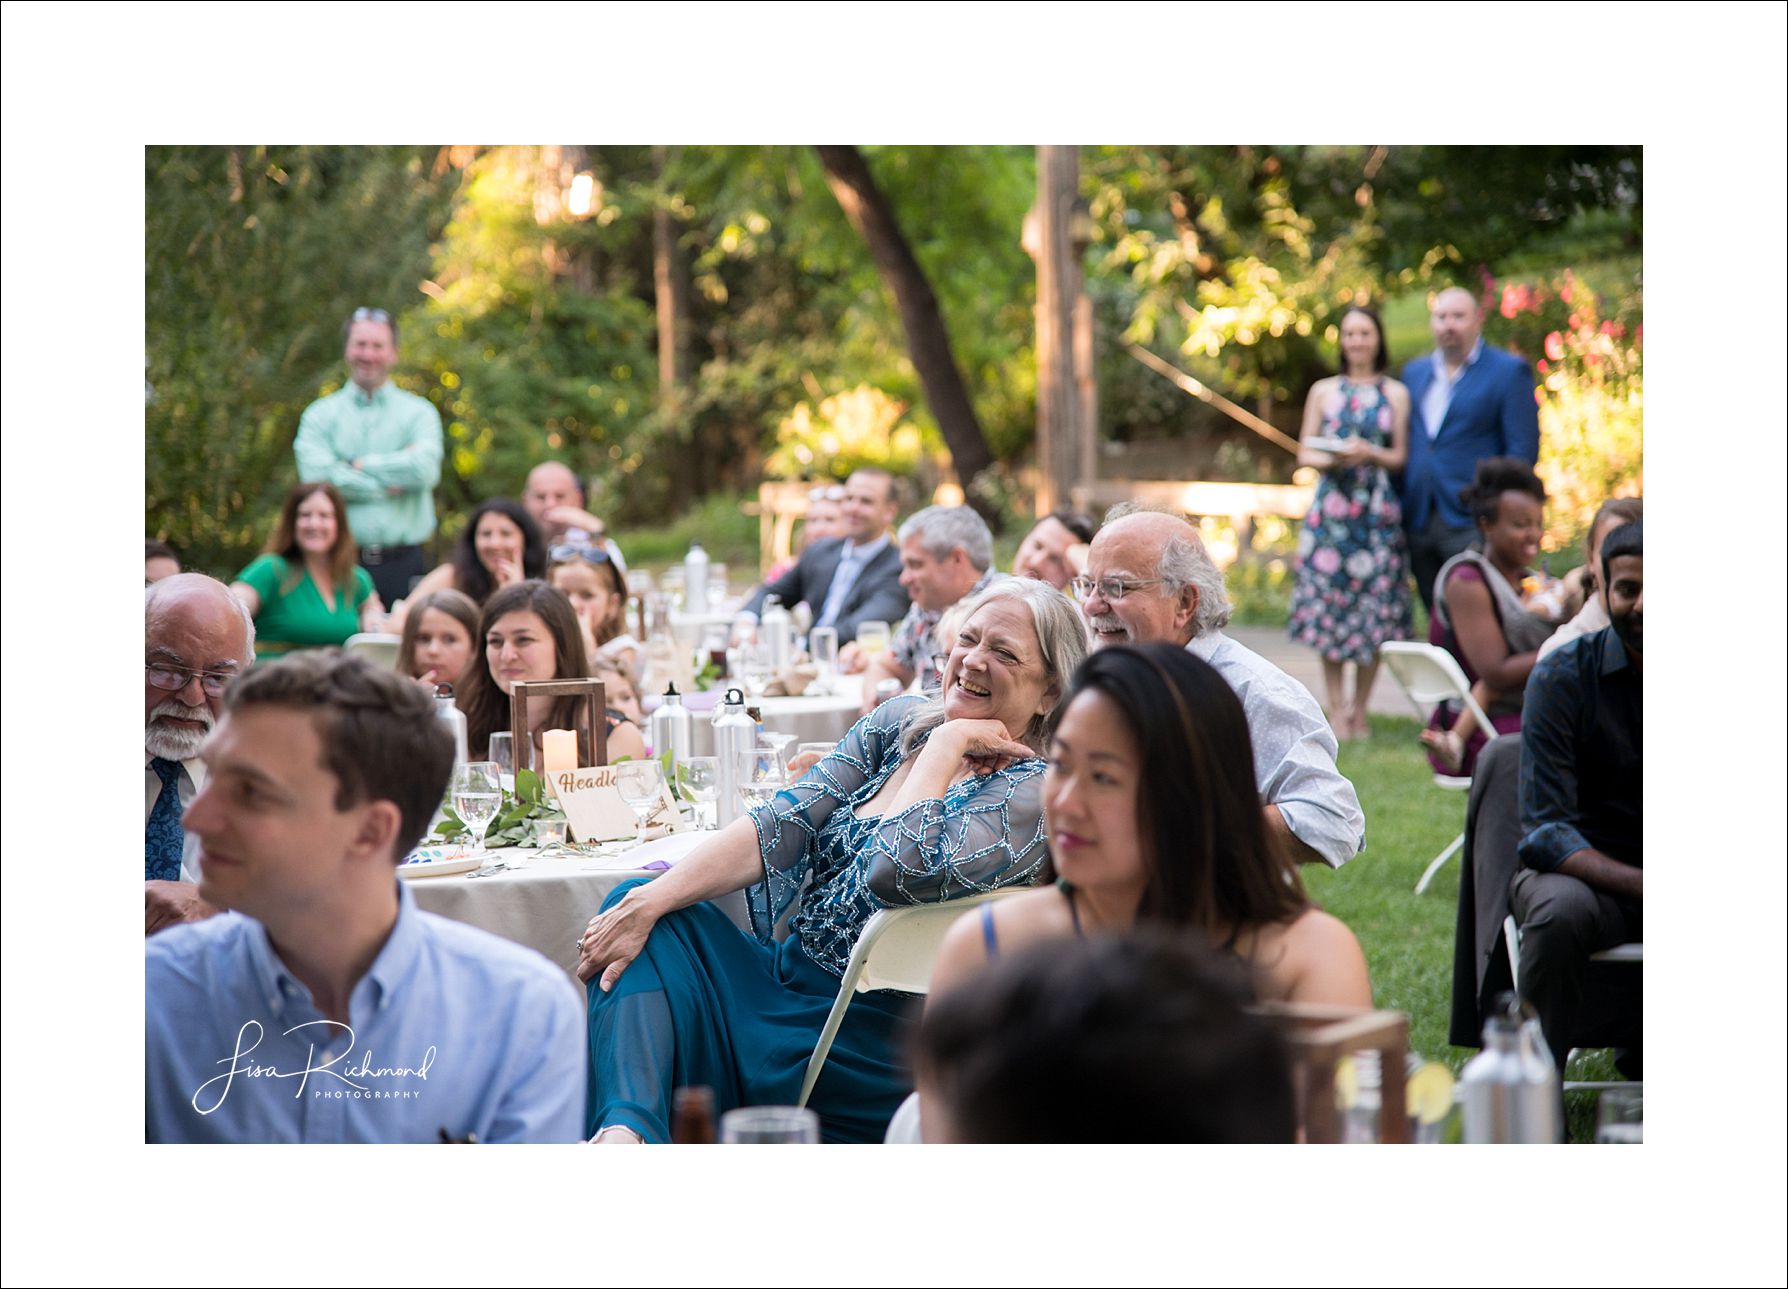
(851, 561)
(1294, 751)
(913, 645)
(192, 781)
(396, 437)
(451, 1028)
(1439, 394)
(1581, 763)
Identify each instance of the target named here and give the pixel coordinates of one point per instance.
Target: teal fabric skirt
(707, 1004)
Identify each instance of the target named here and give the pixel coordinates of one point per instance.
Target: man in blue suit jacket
(849, 579)
(1467, 402)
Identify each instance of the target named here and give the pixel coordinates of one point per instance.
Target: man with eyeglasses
(1149, 579)
(381, 447)
(197, 639)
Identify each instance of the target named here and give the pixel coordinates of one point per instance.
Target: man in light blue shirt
(381, 447)
(325, 1006)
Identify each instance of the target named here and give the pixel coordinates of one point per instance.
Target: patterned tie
(163, 840)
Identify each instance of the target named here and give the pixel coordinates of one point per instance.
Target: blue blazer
(1493, 414)
(875, 595)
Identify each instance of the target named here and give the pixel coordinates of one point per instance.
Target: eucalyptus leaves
(514, 824)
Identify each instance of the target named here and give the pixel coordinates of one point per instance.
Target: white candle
(558, 751)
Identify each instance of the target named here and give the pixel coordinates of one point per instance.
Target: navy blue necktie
(163, 840)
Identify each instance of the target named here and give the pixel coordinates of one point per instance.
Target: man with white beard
(197, 638)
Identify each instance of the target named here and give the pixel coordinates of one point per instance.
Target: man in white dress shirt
(197, 637)
(1149, 579)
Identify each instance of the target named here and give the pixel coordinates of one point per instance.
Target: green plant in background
(860, 427)
(514, 823)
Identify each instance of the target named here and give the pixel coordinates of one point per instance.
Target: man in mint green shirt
(381, 446)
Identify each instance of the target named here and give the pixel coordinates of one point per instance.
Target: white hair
(156, 590)
(1184, 562)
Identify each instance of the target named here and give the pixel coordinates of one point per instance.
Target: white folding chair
(1634, 952)
(377, 647)
(1429, 676)
(895, 950)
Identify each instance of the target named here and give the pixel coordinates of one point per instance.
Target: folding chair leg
(1443, 857)
(817, 1061)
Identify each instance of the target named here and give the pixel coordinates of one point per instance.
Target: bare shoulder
(1323, 388)
(1324, 961)
(1017, 920)
(1396, 391)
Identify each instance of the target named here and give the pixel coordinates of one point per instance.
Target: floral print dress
(1352, 592)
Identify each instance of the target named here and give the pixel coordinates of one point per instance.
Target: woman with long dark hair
(499, 546)
(307, 589)
(1351, 593)
(1153, 817)
(529, 632)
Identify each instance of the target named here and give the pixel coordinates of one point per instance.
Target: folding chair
(377, 647)
(1633, 951)
(1429, 676)
(894, 951)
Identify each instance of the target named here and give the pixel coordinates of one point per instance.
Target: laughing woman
(308, 591)
(924, 800)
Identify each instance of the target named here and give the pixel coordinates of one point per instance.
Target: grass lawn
(1408, 938)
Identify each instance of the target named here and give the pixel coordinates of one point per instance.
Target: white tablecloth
(545, 902)
(811, 719)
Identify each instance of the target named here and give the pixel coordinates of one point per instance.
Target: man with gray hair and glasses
(381, 447)
(197, 638)
(946, 556)
(1149, 579)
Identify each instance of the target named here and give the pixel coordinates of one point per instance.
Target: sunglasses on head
(566, 551)
(370, 315)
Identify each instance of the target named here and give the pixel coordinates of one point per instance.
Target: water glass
(770, 1125)
(477, 794)
(822, 647)
(1620, 1117)
(502, 755)
(639, 783)
(701, 775)
(717, 592)
(761, 775)
(757, 663)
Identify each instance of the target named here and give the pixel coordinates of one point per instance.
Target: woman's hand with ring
(613, 940)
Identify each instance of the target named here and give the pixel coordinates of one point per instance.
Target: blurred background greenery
(532, 286)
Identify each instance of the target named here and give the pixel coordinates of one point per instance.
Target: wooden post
(1059, 409)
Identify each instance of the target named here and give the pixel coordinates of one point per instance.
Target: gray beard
(170, 742)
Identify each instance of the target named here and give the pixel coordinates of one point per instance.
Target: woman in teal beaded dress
(1351, 593)
(926, 799)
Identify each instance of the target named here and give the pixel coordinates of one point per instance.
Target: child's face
(585, 587)
(622, 696)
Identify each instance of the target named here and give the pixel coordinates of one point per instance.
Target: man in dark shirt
(1582, 883)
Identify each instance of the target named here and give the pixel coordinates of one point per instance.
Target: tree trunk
(1060, 398)
(670, 277)
(928, 342)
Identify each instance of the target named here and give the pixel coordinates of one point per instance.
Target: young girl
(598, 592)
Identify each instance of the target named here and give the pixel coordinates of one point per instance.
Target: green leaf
(529, 787)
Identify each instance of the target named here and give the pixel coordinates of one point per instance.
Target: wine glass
(779, 744)
(477, 795)
(872, 639)
(761, 775)
(701, 775)
(758, 663)
(770, 1125)
(822, 647)
(639, 783)
(502, 755)
(1620, 1117)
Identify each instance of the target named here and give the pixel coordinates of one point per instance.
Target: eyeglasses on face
(1109, 588)
(174, 679)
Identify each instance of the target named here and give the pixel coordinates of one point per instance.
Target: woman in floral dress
(1351, 593)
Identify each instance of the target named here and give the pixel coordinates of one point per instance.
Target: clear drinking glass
(549, 836)
(872, 638)
(757, 662)
(639, 782)
(701, 775)
(717, 592)
(770, 1125)
(477, 794)
(1620, 1117)
(761, 774)
(502, 755)
(778, 743)
(822, 647)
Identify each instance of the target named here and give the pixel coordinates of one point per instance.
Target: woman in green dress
(307, 590)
